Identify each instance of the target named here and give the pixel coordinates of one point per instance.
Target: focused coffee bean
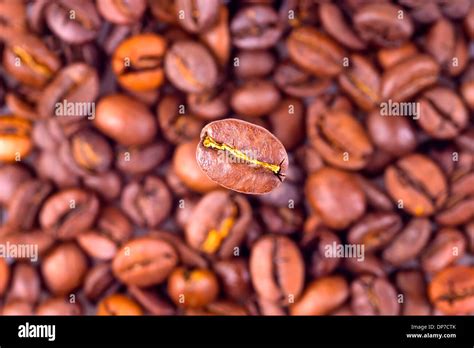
(241, 156)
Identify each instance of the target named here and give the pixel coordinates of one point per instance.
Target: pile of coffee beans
(251, 157)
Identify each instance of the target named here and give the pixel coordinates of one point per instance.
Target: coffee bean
(322, 296)
(127, 12)
(255, 27)
(374, 296)
(218, 223)
(451, 290)
(138, 62)
(277, 269)
(315, 52)
(409, 242)
(68, 213)
(329, 190)
(147, 202)
(190, 67)
(144, 261)
(118, 304)
(442, 113)
(407, 78)
(64, 268)
(242, 156)
(384, 24)
(15, 138)
(58, 306)
(4, 276)
(11, 177)
(24, 284)
(412, 284)
(196, 16)
(448, 246)
(125, 120)
(255, 98)
(416, 184)
(192, 288)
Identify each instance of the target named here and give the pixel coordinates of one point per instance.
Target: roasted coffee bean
(68, 213)
(196, 16)
(190, 67)
(329, 190)
(187, 168)
(287, 122)
(70, 94)
(86, 153)
(277, 269)
(460, 203)
(150, 301)
(58, 306)
(125, 120)
(17, 308)
(50, 167)
(412, 285)
(176, 125)
(24, 284)
(142, 159)
(64, 268)
(107, 185)
(217, 38)
(442, 113)
(384, 24)
(409, 242)
(374, 296)
(447, 247)
(394, 135)
(4, 276)
(218, 223)
(322, 296)
(235, 278)
(192, 288)
(118, 304)
(391, 56)
(334, 23)
(138, 62)
(417, 185)
(254, 64)
(11, 177)
(255, 98)
(28, 59)
(375, 230)
(241, 156)
(339, 138)
(122, 12)
(26, 203)
(15, 138)
(361, 82)
(219, 308)
(315, 52)
(210, 105)
(147, 202)
(256, 27)
(407, 78)
(297, 82)
(74, 21)
(97, 280)
(144, 261)
(452, 290)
